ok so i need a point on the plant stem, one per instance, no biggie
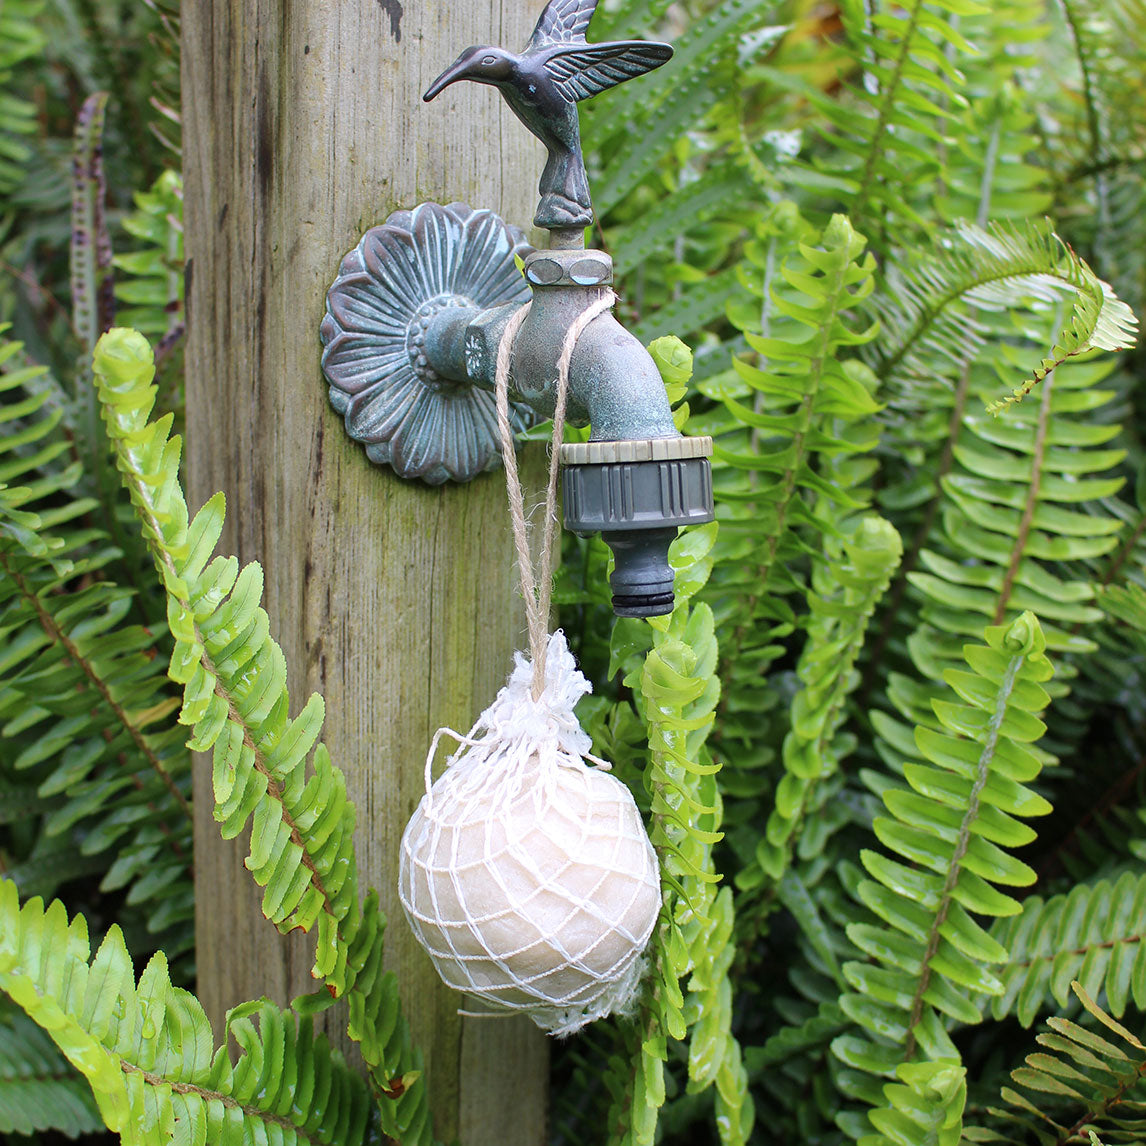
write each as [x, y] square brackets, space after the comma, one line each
[962, 843]
[1032, 500]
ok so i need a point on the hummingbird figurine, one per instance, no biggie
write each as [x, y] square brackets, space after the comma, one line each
[543, 85]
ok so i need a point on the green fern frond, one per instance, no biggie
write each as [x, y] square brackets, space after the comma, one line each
[84, 705]
[153, 293]
[1023, 510]
[20, 39]
[1021, 501]
[677, 691]
[675, 694]
[1095, 934]
[801, 386]
[638, 141]
[1097, 139]
[674, 677]
[889, 126]
[924, 1108]
[673, 213]
[1100, 321]
[165, 44]
[146, 1049]
[843, 596]
[989, 175]
[949, 833]
[84, 697]
[806, 408]
[1127, 604]
[1104, 124]
[39, 1089]
[816, 1031]
[626, 19]
[698, 305]
[236, 703]
[1117, 670]
[715, 190]
[234, 676]
[1022, 505]
[928, 309]
[991, 168]
[1082, 1081]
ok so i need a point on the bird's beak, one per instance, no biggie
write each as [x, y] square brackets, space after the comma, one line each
[455, 71]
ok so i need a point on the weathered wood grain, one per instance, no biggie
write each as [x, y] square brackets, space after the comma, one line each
[303, 126]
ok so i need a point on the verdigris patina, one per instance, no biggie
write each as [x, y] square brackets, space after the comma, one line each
[415, 318]
[543, 85]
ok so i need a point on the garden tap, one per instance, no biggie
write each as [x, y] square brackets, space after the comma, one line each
[419, 309]
[637, 479]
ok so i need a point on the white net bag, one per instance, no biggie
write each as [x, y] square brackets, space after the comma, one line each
[526, 873]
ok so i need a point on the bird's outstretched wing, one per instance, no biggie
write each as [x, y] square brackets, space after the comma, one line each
[586, 69]
[563, 22]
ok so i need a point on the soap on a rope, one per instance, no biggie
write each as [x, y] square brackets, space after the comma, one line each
[526, 873]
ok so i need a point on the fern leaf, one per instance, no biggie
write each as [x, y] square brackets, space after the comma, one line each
[39, 1089]
[145, 1047]
[677, 694]
[165, 43]
[641, 151]
[989, 173]
[233, 674]
[814, 1032]
[1100, 322]
[804, 384]
[236, 704]
[887, 128]
[1083, 1080]
[83, 698]
[153, 292]
[20, 39]
[1094, 934]
[845, 593]
[676, 691]
[948, 836]
[809, 404]
[1020, 500]
[931, 306]
[626, 19]
[674, 102]
[714, 191]
[697, 306]
[924, 1107]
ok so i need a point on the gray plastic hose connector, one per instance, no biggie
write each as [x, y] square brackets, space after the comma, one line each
[637, 494]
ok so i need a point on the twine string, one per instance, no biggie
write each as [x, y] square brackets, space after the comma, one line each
[537, 581]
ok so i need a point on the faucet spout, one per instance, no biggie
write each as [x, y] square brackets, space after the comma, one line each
[637, 479]
[614, 385]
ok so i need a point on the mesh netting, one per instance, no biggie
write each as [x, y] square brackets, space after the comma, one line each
[525, 873]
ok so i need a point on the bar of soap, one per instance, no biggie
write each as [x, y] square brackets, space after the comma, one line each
[532, 884]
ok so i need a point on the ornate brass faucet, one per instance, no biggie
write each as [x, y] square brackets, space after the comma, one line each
[416, 313]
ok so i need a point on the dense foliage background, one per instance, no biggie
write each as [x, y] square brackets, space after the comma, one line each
[892, 742]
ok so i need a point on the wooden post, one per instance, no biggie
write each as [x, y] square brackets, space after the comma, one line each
[303, 126]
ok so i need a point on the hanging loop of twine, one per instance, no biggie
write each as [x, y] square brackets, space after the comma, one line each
[537, 581]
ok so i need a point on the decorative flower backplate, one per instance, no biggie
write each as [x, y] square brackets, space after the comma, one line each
[389, 287]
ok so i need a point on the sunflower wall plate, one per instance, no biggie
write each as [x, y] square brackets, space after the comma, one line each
[402, 273]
